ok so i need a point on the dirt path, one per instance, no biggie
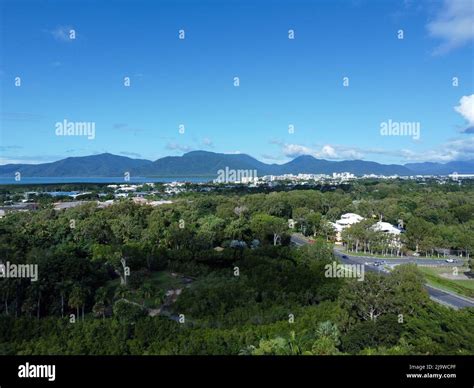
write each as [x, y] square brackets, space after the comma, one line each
[171, 298]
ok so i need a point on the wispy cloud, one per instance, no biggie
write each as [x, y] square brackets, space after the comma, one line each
[21, 116]
[452, 25]
[178, 147]
[272, 158]
[132, 154]
[9, 148]
[120, 126]
[454, 149]
[29, 159]
[126, 127]
[206, 142]
[236, 152]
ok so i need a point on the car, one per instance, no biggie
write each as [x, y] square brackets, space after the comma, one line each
[344, 257]
[449, 260]
[367, 263]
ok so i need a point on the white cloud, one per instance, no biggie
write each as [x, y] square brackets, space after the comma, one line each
[453, 25]
[453, 149]
[294, 150]
[466, 110]
[339, 152]
[327, 151]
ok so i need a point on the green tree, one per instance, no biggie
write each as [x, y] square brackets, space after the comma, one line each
[263, 225]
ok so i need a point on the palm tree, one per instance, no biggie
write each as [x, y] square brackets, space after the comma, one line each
[77, 299]
[99, 309]
[63, 287]
[147, 290]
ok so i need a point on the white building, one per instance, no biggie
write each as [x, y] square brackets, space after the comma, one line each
[391, 230]
[386, 228]
[344, 222]
[455, 176]
[69, 205]
[343, 175]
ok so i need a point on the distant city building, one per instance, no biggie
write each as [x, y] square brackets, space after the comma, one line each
[455, 176]
[18, 207]
[68, 205]
[343, 175]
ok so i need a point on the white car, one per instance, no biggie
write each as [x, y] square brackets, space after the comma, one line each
[449, 260]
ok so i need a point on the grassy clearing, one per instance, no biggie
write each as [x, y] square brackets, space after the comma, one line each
[151, 293]
[164, 280]
[462, 287]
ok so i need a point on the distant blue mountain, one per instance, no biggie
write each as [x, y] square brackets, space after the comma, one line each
[204, 163]
[461, 167]
[103, 165]
[197, 163]
[309, 165]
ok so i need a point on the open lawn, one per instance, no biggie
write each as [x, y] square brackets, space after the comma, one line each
[463, 286]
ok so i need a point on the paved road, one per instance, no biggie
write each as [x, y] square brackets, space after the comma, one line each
[450, 299]
[440, 296]
[404, 260]
[299, 240]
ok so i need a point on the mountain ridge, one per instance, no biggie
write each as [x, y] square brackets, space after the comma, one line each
[206, 163]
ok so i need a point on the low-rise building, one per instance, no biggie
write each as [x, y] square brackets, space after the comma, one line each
[344, 222]
[68, 205]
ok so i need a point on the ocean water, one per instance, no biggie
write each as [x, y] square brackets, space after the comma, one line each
[119, 180]
[62, 193]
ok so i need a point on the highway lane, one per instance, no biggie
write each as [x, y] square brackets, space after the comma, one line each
[405, 260]
[450, 299]
[444, 297]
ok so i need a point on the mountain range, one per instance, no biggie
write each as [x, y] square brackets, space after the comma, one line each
[204, 163]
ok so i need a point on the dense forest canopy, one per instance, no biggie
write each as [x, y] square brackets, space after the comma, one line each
[215, 273]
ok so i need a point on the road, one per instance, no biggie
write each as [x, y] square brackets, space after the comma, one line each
[444, 297]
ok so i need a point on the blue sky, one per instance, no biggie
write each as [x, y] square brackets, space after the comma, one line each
[283, 81]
